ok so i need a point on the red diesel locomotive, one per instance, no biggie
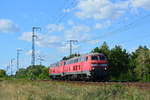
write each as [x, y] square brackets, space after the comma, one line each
[89, 66]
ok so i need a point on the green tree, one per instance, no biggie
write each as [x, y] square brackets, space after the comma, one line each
[33, 72]
[44, 74]
[21, 73]
[133, 62]
[102, 49]
[2, 73]
[142, 69]
[132, 66]
[96, 50]
[119, 64]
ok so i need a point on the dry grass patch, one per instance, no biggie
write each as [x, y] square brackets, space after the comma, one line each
[51, 90]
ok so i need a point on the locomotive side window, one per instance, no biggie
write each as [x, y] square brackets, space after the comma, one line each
[86, 58]
[80, 59]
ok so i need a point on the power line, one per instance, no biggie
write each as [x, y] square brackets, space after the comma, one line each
[135, 39]
[125, 27]
[33, 44]
[62, 16]
[41, 59]
[122, 28]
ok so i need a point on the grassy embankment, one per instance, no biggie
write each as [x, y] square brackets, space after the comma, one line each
[52, 90]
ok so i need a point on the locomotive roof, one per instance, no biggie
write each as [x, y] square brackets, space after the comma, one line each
[89, 54]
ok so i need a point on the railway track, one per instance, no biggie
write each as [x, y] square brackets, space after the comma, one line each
[143, 85]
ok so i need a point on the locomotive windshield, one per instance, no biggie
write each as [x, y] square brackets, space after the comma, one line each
[98, 57]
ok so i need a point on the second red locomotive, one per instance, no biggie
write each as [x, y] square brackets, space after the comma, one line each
[89, 66]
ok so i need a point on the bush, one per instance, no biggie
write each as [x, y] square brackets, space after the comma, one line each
[33, 72]
[2, 73]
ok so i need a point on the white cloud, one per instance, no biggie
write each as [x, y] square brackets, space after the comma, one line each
[101, 9]
[66, 10]
[48, 41]
[29, 53]
[141, 4]
[93, 42]
[70, 22]
[104, 10]
[42, 40]
[65, 48]
[78, 32]
[99, 25]
[102, 25]
[26, 36]
[54, 27]
[7, 26]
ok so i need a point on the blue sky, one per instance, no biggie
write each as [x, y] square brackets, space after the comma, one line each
[91, 22]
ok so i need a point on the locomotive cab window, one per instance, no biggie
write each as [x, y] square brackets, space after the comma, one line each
[102, 57]
[95, 58]
[98, 57]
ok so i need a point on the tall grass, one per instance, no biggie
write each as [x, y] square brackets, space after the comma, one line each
[51, 90]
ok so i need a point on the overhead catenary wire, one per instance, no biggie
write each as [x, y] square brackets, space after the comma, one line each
[135, 39]
[123, 28]
[69, 5]
[41, 59]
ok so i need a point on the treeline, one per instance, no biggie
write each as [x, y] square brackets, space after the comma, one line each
[125, 66]
[2, 73]
[31, 72]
